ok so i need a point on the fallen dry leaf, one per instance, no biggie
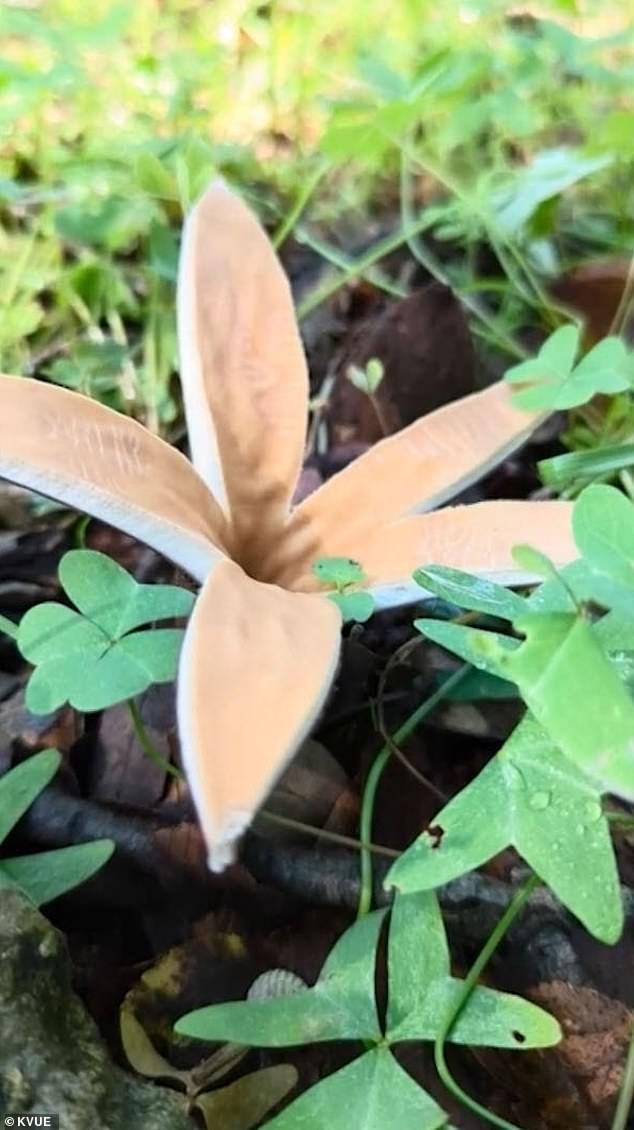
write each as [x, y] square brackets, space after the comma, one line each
[594, 290]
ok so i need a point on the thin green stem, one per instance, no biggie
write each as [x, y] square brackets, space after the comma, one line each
[380, 250]
[307, 190]
[344, 262]
[325, 834]
[81, 528]
[145, 742]
[16, 273]
[427, 260]
[468, 985]
[627, 294]
[379, 413]
[8, 627]
[626, 1094]
[376, 772]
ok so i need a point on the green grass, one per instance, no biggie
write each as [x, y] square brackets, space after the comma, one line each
[113, 117]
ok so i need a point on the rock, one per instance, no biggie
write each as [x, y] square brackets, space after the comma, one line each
[52, 1059]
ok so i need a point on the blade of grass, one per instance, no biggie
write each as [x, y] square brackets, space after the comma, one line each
[429, 261]
[376, 772]
[304, 195]
[626, 1094]
[380, 250]
[562, 470]
[627, 297]
[344, 263]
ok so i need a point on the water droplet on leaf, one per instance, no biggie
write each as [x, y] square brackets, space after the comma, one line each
[539, 800]
[593, 811]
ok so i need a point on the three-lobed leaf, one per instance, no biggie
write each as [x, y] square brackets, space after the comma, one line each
[553, 382]
[562, 670]
[568, 663]
[85, 657]
[107, 595]
[342, 1005]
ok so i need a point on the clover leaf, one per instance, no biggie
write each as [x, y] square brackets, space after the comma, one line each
[108, 596]
[542, 793]
[533, 798]
[341, 573]
[48, 874]
[566, 662]
[357, 606]
[338, 571]
[92, 658]
[376, 1088]
[342, 1006]
[555, 382]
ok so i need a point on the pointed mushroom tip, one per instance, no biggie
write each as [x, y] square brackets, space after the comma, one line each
[222, 848]
[217, 186]
[220, 856]
[216, 194]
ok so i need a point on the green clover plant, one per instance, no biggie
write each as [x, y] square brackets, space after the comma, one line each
[556, 382]
[91, 656]
[49, 874]
[543, 791]
[341, 574]
[532, 798]
[342, 1006]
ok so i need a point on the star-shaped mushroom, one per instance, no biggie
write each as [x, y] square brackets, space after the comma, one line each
[261, 647]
